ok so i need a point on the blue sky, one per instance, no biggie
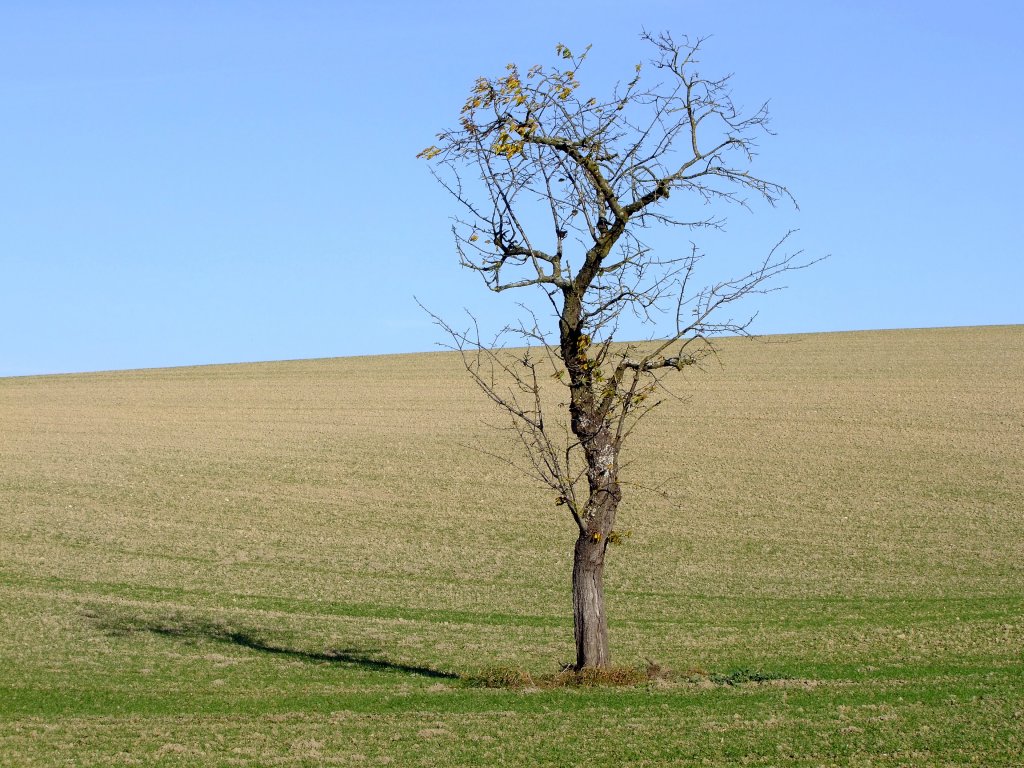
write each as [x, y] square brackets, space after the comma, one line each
[203, 182]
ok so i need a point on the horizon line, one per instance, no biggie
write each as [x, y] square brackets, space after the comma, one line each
[100, 371]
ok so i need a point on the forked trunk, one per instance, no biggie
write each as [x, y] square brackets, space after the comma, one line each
[591, 621]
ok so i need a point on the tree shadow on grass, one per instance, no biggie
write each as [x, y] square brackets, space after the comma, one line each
[197, 628]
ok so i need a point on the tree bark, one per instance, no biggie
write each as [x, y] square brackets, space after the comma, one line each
[590, 619]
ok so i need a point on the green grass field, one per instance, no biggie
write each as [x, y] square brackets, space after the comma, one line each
[311, 563]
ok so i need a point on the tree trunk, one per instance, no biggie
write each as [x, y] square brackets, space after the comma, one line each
[591, 621]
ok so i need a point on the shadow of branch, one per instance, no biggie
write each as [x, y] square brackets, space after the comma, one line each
[189, 627]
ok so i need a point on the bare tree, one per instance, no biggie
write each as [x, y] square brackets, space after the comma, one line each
[556, 189]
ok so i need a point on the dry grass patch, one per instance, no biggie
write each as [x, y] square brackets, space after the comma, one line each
[615, 676]
[515, 678]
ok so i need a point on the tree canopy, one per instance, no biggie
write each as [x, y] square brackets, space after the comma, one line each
[556, 190]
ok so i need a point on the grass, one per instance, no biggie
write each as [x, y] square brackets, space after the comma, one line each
[309, 563]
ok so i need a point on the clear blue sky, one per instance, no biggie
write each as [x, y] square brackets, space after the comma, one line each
[198, 182]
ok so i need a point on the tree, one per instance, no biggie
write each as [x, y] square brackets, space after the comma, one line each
[556, 188]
